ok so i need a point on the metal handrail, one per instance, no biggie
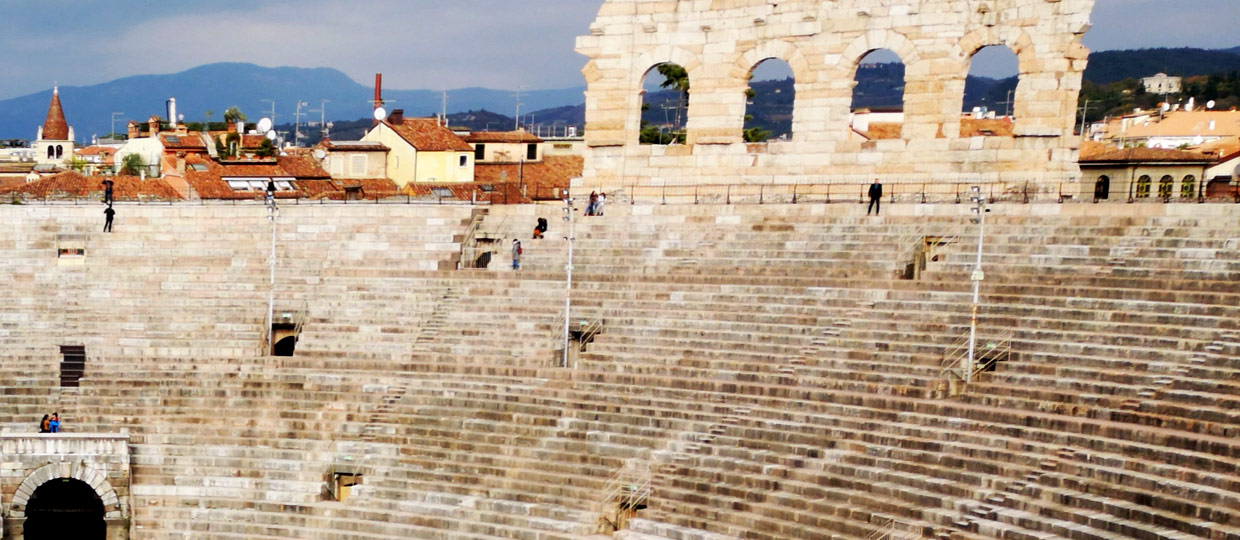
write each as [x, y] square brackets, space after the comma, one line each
[957, 353]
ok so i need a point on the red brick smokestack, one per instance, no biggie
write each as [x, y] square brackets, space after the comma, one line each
[378, 94]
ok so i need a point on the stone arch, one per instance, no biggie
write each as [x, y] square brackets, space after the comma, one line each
[875, 40]
[1016, 40]
[78, 471]
[774, 50]
[666, 54]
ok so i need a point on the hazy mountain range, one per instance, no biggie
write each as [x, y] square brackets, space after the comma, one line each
[215, 87]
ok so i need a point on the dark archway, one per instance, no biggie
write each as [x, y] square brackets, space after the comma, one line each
[285, 347]
[1102, 188]
[65, 508]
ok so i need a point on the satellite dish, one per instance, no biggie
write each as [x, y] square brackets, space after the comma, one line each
[264, 125]
[1166, 107]
[380, 114]
[271, 135]
[319, 153]
[1210, 104]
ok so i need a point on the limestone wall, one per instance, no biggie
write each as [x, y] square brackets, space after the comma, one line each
[719, 42]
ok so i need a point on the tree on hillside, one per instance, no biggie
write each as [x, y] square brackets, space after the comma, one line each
[233, 115]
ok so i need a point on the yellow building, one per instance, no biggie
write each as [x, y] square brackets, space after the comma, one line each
[422, 151]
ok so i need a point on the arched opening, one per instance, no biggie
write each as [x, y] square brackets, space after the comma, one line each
[1102, 188]
[51, 152]
[1166, 185]
[664, 104]
[769, 102]
[990, 93]
[878, 96]
[285, 347]
[65, 508]
[1143, 187]
[60, 151]
[1188, 188]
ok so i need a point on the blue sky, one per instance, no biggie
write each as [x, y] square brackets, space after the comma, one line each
[435, 44]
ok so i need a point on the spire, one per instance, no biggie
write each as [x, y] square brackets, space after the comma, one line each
[55, 128]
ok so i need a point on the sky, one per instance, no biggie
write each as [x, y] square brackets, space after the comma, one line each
[431, 44]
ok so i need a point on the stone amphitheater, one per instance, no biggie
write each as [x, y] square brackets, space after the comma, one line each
[737, 368]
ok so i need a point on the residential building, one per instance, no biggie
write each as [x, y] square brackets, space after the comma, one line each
[1162, 84]
[521, 159]
[1138, 173]
[421, 150]
[353, 159]
[1172, 129]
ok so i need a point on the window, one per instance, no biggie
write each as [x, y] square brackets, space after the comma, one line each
[60, 151]
[1188, 189]
[1102, 188]
[1166, 185]
[357, 165]
[464, 160]
[173, 139]
[1143, 187]
[442, 193]
[51, 152]
[486, 188]
[531, 152]
[199, 167]
[480, 152]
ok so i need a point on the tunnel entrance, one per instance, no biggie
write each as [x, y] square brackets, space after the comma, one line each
[65, 508]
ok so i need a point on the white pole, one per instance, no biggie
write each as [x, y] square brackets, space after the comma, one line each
[271, 296]
[977, 285]
[568, 281]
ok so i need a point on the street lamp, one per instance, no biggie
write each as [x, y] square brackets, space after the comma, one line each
[568, 287]
[979, 208]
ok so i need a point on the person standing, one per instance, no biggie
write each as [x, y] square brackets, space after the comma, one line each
[598, 207]
[876, 198]
[54, 423]
[592, 204]
[516, 254]
[108, 215]
[107, 191]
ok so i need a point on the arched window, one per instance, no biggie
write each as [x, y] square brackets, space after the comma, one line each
[51, 152]
[878, 96]
[1143, 187]
[665, 104]
[990, 93]
[1188, 188]
[1102, 188]
[1166, 185]
[769, 101]
[60, 151]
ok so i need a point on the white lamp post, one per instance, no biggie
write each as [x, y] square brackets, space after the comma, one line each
[979, 208]
[568, 281]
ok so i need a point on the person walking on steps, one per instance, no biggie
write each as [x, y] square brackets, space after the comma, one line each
[54, 423]
[108, 215]
[876, 198]
[516, 254]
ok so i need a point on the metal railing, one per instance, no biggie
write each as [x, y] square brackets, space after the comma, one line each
[993, 346]
[626, 492]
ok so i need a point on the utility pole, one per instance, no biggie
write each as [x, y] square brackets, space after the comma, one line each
[979, 208]
[325, 129]
[273, 215]
[297, 123]
[273, 111]
[517, 119]
[113, 134]
[444, 114]
[1084, 112]
[1008, 103]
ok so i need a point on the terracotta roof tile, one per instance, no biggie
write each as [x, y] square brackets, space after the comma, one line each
[541, 178]
[521, 136]
[426, 135]
[1094, 152]
[73, 184]
[55, 128]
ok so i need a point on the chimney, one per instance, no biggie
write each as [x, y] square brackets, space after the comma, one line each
[378, 94]
[172, 112]
[181, 162]
[132, 128]
[397, 116]
[153, 123]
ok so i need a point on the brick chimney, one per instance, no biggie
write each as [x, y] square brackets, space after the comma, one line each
[397, 116]
[132, 128]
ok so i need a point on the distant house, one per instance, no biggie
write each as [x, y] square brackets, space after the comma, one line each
[1173, 129]
[1138, 173]
[1162, 84]
[353, 159]
[518, 158]
[421, 151]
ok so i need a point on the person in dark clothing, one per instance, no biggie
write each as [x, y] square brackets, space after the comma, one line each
[593, 204]
[108, 215]
[876, 198]
[107, 191]
[43, 424]
[540, 228]
[271, 191]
